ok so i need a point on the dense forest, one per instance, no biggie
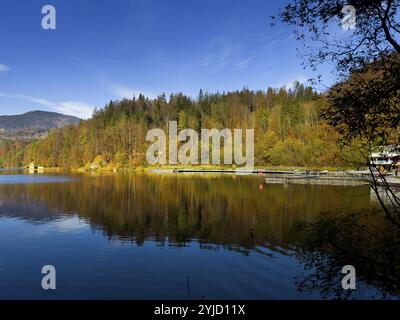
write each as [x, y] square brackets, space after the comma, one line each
[289, 130]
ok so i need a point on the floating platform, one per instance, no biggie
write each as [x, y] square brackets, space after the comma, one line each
[247, 171]
[339, 178]
[329, 180]
[316, 180]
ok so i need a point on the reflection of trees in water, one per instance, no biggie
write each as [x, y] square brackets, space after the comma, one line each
[369, 242]
[225, 210]
[336, 240]
[233, 213]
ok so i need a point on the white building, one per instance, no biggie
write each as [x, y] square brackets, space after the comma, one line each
[386, 156]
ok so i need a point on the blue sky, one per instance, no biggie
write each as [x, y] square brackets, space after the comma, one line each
[107, 50]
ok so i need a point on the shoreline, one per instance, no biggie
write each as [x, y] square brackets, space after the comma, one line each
[270, 175]
[184, 169]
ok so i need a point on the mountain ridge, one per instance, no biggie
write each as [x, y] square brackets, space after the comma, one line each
[33, 124]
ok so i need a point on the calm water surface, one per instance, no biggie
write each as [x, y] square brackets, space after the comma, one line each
[163, 236]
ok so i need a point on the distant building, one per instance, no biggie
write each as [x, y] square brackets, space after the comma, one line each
[386, 156]
[33, 168]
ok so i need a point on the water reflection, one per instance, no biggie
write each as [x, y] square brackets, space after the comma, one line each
[221, 210]
[362, 240]
[211, 212]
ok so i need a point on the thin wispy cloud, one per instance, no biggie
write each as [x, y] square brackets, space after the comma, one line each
[222, 53]
[225, 57]
[40, 101]
[4, 68]
[243, 63]
[77, 109]
[291, 83]
[122, 92]
[207, 59]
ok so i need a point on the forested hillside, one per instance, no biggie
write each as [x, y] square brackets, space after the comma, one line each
[288, 130]
[39, 120]
[33, 124]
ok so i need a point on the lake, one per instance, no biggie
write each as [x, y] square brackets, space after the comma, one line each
[138, 236]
